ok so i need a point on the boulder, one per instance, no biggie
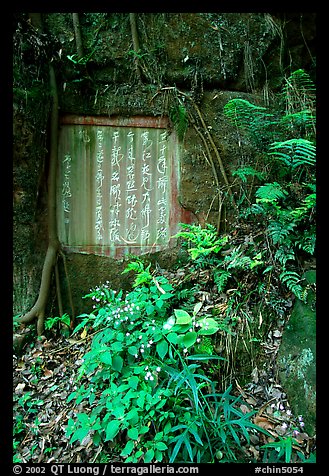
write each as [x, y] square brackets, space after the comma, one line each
[297, 358]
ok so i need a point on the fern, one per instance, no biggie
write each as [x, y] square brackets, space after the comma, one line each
[299, 120]
[221, 276]
[284, 254]
[294, 152]
[307, 242]
[244, 114]
[178, 115]
[292, 279]
[299, 89]
[244, 172]
[236, 259]
[278, 231]
[299, 213]
[271, 192]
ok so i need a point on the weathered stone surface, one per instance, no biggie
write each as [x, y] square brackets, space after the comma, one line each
[297, 358]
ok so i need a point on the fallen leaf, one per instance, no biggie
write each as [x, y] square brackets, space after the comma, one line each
[277, 333]
[47, 374]
[263, 422]
[19, 388]
[244, 409]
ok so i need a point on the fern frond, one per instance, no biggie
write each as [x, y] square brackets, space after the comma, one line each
[299, 87]
[244, 172]
[271, 192]
[294, 152]
[284, 254]
[299, 119]
[243, 113]
[179, 117]
[292, 279]
[307, 242]
[279, 231]
[221, 276]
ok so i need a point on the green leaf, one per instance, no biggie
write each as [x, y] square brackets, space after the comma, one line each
[119, 411]
[128, 448]
[161, 446]
[162, 348]
[106, 358]
[132, 416]
[117, 363]
[189, 338]
[182, 317]
[79, 434]
[205, 357]
[133, 433]
[133, 382]
[149, 455]
[209, 326]
[132, 350]
[112, 430]
[172, 337]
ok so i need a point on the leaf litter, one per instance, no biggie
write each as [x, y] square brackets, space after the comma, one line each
[47, 372]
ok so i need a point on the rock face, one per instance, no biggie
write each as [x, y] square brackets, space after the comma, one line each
[211, 57]
[297, 358]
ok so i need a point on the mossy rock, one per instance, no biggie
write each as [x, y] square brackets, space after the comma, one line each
[297, 358]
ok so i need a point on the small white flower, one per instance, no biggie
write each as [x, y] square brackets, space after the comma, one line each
[185, 350]
[146, 367]
[151, 377]
[140, 337]
[142, 350]
[150, 341]
[136, 356]
[158, 369]
[127, 333]
[198, 339]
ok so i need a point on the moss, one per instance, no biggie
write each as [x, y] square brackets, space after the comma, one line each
[297, 359]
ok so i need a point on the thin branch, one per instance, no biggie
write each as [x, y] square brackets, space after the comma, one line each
[134, 34]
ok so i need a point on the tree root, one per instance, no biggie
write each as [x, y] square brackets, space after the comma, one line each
[39, 308]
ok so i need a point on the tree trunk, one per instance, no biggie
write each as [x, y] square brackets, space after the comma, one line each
[39, 308]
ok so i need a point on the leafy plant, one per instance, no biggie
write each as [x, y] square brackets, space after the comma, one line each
[53, 322]
[142, 378]
[205, 240]
[179, 117]
[282, 448]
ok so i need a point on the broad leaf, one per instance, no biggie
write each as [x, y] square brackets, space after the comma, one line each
[182, 317]
[162, 348]
[112, 430]
[189, 339]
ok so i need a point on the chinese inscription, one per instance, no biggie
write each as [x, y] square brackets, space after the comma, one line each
[117, 190]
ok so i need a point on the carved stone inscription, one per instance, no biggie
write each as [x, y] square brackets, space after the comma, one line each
[114, 188]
